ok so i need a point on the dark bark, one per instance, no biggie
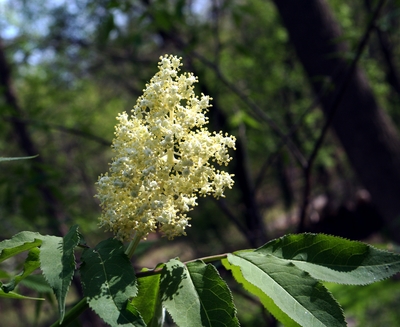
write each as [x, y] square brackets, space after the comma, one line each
[365, 131]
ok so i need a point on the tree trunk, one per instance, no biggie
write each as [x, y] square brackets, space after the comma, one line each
[367, 134]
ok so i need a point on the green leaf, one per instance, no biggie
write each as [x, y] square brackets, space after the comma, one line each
[334, 259]
[58, 264]
[196, 295]
[295, 292]
[214, 294]
[109, 282]
[19, 243]
[148, 301]
[31, 264]
[179, 296]
[16, 158]
[264, 299]
[13, 295]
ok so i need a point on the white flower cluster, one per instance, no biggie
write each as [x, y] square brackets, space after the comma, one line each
[163, 158]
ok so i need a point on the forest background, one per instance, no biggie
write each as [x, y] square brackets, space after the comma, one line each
[310, 90]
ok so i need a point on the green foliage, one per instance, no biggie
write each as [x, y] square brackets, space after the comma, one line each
[215, 296]
[334, 259]
[148, 301]
[31, 264]
[19, 243]
[109, 282]
[54, 255]
[84, 66]
[285, 274]
[295, 292]
[58, 264]
[195, 295]
[373, 305]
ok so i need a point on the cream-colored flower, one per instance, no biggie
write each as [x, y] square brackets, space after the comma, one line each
[163, 155]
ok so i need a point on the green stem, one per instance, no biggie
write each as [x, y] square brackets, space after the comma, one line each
[208, 259]
[72, 314]
[133, 245]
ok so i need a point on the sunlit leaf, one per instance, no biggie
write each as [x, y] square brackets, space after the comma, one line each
[148, 301]
[19, 243]
[264, 299]
[334, 259]
[295, 292]
[109, 282]
[58, 264]
[196, 295]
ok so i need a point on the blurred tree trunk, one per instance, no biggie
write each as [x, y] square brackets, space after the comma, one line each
[55, 215]
[367, 134]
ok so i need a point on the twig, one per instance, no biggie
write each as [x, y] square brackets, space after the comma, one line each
[207, 259]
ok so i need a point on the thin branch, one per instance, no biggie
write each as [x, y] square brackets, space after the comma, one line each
[282, 142]
[207, 259]
[293, 129]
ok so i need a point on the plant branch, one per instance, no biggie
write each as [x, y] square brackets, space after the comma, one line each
[133, 245]
[207, 259]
